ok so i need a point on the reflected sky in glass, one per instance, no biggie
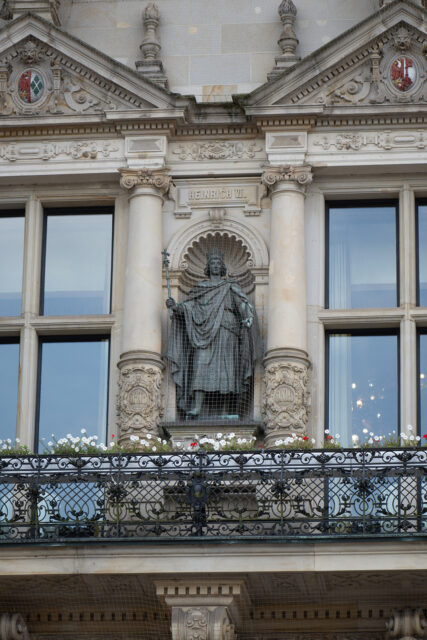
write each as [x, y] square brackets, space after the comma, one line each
[11, 264]
[73, 388]
[423, 385]
[362, 257]
[422, 254]
[77, 278]
[9, 368]
[363, 386]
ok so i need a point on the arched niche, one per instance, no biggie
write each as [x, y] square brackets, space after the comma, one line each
[244, 251]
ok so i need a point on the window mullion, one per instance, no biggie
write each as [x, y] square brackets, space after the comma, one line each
[407, 248]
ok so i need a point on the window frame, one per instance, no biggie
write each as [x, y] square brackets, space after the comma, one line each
[352, 204]
[68, 338]
[62, 211]
[371, 333]
[13, 340]
[419, 202]
[17, 213]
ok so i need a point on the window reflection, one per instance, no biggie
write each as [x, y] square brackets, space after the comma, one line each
[9, 367]
[363, 386]
[11, 263]
[73, 388]
[362, 257]
[423, 384]
[77, 274]
[422, 255]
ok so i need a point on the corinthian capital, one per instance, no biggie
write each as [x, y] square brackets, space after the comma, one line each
[301, 176]
[155, 178]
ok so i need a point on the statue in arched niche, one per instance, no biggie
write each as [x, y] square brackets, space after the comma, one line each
[213, 345]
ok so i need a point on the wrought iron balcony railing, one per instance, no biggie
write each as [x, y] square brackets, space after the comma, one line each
[288, 495]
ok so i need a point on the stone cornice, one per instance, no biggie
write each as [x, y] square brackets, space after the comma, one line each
[299, 176]
[157, 179]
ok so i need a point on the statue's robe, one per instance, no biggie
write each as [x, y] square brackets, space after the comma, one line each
[209, 348]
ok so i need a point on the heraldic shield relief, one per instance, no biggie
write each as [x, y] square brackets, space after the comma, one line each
[403, 73]
[30, 86]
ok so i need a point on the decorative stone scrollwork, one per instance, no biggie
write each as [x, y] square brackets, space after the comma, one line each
[156, 178]
[272, 176]
[202, 623]
[13, 627]
[287, 399]
[139, 400]
[402, 39]
[407, 624]
[31, 52]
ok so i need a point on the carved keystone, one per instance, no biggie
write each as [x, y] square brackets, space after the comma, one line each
[204, 610]
[407, 624]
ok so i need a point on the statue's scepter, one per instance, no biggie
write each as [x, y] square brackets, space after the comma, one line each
[166, 263]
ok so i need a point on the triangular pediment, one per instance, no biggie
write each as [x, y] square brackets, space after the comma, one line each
[380, 61]
[46, 72]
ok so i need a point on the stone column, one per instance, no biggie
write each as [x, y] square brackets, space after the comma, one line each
[407, 624]
[139, 404]
[203, 610]
[286, 363]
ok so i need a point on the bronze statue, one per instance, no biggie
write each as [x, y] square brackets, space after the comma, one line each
[213, 345]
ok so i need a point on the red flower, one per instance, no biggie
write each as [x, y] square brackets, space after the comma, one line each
[425, 436]
[306, 438]
[329, 438]
[194, 444]
[112, 435]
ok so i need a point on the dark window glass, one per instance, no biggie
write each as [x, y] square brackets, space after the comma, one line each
[422, 255]
[77, 271]
[73, 388]
[363, 393]
[11, 262]
[423, 385]
[362, 262]
[9, 368]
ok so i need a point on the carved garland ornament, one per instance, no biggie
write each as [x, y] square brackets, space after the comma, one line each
[217, 150]
[274, 175]
[139, 401]
[157, 179]
[287, 398]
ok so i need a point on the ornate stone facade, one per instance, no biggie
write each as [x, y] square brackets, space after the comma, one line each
[287, 399]
[157, 179]
[139, 400]
[13, 627]
[201, 623]
[299, 175]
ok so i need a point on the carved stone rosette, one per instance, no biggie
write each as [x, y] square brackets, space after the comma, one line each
[139, 400]
[157, 179]
[287, 398]
[300, 176]
[407, 624]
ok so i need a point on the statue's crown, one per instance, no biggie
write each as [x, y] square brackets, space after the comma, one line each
[214, 253]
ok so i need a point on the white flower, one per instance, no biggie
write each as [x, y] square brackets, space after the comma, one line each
[411, 437]
[9, 441]
[82, 430]
[365, 430]
[371, 434]
[404, 436]
[153, 448]
[417, 438]
[410, 427]
[149, 436]
[337, 436]
[313, 440]
[179, 444]
[231, 435]
[133, 438]
[164, 442]
[355, 438]
[370, 441]
[327, 431]
[223, 443]
[218, 435]
[17, 440]
[50, 443]
[111, 444]
[244, 441]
